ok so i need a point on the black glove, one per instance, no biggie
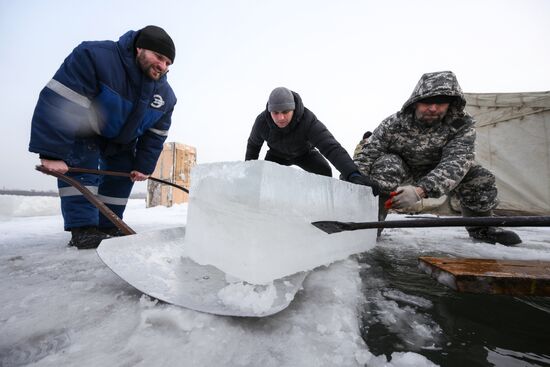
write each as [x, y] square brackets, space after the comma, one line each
[360, 179]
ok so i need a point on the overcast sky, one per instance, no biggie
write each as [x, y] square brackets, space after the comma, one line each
[354, 62]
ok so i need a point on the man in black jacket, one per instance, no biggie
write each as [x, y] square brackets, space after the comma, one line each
[295, 137]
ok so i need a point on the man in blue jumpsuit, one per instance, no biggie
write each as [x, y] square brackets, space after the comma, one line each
[109, 106]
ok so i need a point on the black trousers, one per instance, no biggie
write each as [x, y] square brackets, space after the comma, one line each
[313, 162]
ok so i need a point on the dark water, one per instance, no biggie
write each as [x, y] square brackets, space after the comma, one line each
[406, 310]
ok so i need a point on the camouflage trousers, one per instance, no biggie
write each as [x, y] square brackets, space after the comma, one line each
[477, 190]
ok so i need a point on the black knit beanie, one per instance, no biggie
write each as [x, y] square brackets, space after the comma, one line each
[156, 39]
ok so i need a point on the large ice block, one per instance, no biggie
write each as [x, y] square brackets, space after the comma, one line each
[253, 219]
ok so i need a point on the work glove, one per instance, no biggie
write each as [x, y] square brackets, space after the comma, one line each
[426, 205]
[405, 197]
[360, 179]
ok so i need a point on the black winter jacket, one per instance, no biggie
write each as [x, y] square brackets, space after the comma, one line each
[303, 134]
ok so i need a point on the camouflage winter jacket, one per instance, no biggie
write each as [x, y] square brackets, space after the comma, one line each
[440, 155]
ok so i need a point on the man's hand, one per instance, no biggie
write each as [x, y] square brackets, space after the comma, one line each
[426, 205]
[360, 179]
[138, 176]
[406, 197]
[55, 165]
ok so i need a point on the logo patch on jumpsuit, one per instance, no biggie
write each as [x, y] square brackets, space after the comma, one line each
[158, 102]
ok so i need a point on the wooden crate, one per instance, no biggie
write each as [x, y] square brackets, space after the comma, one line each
[489, 276]
[174, 165]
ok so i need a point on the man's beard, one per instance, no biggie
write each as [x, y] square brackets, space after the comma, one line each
[429, 118]
[148, 68]
[152, 73]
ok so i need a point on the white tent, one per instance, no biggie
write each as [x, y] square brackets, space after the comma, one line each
[513, 141]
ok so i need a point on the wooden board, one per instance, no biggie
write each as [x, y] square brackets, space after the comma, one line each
[174, 165]
[490, 276]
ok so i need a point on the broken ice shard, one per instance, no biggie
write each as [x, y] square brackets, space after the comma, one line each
[252, 219]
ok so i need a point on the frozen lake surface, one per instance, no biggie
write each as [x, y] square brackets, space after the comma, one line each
[64, 307]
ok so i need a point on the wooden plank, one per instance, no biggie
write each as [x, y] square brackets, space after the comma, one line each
[174, 165]
[490, 276]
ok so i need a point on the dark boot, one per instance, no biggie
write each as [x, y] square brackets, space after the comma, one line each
[112, 231]
[86, 237]
[494, 235]
[490, 235]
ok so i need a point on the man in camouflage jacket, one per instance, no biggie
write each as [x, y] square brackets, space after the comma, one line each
[427, 150]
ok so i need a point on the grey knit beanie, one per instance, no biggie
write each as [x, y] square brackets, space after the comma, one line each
[281, 99]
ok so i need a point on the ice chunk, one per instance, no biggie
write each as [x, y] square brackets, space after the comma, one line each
[257, 298]
[252, 219]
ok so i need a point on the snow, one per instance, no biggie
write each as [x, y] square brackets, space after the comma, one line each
[248, 296]
[28, 206]
[64, 307]
[240, 208]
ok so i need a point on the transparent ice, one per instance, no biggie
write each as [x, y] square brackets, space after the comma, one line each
[253, 219]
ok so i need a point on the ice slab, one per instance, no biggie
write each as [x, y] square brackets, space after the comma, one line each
[154, 263]
[252, 219]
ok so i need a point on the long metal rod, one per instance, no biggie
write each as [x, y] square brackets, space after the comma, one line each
[122, 174]
[91, 198]
[516, 221]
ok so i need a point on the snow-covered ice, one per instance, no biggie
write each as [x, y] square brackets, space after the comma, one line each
[64, 307]
[252, 219]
